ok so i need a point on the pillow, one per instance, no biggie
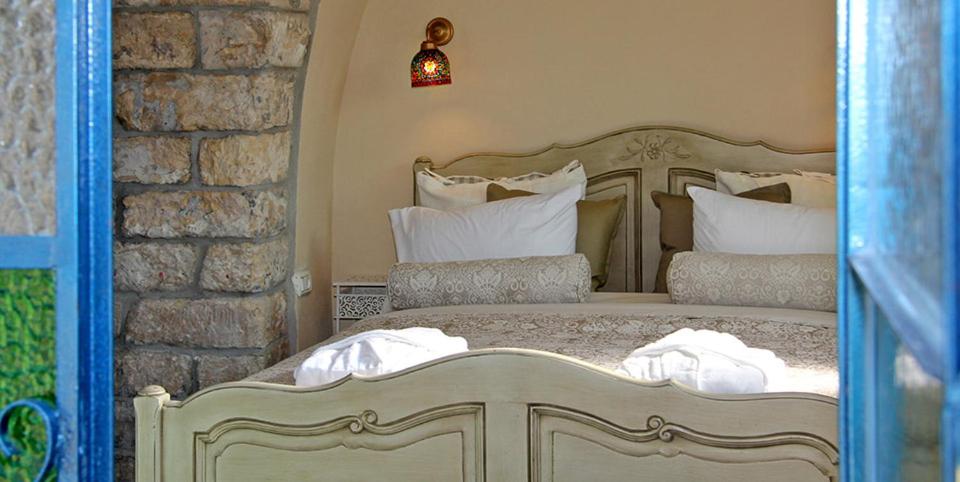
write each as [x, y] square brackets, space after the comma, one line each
[439, 192]
[728, 224]
[597, 223]
[541, 225]
[799, 281]
[542, 279]
[813, 189]
[676, 222]
[550, 279]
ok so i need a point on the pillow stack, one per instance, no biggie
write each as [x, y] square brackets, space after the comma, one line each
[474, 219]
[676, 222]
[752, 245]
[597, 223]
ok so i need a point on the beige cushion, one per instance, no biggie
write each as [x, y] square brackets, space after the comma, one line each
[445, 193]
[799, 281]
[597, 223]
[676, 222]
[811, 189]
[543, 279]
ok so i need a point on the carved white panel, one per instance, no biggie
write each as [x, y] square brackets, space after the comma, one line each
[450, 437]
[570, 445]
[358, 307]
[654, 147]
[356, 300]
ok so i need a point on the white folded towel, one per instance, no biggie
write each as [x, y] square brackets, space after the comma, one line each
[708, 361]
[376, 352]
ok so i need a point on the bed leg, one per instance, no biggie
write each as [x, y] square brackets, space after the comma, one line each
[147, 406]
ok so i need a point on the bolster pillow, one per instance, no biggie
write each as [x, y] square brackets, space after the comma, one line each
[799, 281]
[537, 279]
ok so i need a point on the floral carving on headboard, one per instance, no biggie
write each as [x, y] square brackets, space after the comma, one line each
[654, 147]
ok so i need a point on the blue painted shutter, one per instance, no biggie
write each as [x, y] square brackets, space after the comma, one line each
[898, 213]
[65, 272]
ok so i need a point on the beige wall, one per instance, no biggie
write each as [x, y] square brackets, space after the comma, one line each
[528, 73]
[336, 29]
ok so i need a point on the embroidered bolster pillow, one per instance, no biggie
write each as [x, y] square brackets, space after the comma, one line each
[800, 281]
[539, 279]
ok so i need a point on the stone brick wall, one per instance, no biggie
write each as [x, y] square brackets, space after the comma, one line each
[206, 96]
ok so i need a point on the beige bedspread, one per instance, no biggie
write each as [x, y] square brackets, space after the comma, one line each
[606, 330]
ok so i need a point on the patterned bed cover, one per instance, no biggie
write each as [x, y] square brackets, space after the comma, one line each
[605, 330]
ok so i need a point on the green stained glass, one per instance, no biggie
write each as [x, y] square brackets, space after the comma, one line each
[27, 363]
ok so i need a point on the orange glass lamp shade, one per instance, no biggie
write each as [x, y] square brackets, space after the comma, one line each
[431, 66]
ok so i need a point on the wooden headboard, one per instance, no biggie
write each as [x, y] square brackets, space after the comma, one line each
[634, 162]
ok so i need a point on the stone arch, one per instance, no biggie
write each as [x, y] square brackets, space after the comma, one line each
[207, 97]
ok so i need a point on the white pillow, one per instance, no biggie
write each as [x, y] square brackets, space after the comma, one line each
[439, 192]
[728, 224]
[814, 189]
[540, 225]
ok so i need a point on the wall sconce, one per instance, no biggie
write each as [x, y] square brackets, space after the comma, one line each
[430, 66]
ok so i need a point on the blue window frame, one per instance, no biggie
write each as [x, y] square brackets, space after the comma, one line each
[898, 223]
[898, 206]
[80, 251]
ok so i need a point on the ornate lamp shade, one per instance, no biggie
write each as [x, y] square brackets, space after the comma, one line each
[429, 67]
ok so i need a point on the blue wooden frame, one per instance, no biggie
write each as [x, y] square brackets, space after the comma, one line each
[850, 374]
[950, 432]
[869, 292]
[81, 250]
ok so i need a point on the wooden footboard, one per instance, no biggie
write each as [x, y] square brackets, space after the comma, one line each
[492, 415]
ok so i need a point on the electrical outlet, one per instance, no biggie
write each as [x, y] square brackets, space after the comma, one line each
[302, 282]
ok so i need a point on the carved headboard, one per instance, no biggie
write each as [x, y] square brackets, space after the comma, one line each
[634, 162]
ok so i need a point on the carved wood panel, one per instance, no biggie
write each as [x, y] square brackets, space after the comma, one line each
[564, 441]
[450, 438]
[627, 243]
[680, 178]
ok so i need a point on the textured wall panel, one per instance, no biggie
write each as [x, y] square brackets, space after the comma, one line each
[27, 361]
[27, 55]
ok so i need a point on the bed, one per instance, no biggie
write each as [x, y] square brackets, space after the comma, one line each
[535, 398]
[604, 330]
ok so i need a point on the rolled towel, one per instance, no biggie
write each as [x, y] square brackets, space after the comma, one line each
[376, 352]
[708, 361]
